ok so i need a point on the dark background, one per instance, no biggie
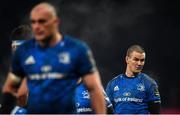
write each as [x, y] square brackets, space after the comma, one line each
[110, 27]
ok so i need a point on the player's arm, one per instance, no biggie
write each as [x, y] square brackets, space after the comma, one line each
[154, 104]
[93, 84]
[22, 94]
[109, 92]
[91, 78]
[9, 93]
[109, 106]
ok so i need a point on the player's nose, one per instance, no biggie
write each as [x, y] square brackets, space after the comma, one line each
[140, 63]
[36, 26]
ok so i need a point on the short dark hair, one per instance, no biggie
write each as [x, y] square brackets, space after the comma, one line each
[21, 32]
[136, 48]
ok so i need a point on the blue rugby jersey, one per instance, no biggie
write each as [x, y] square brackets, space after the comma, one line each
[83, 102]
[52, 73]
[131, 95]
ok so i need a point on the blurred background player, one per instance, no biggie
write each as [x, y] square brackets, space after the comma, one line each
[18, 36]
[134, 92]
[22, 93]
[52, 63]
[83, 102]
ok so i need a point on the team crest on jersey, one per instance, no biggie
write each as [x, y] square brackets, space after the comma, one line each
[30, 60]
[116, 88]
[140, 87]
[64, 58]
[85, 94]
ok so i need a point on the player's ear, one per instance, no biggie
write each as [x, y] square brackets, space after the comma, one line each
[127, 58]
[57, 20]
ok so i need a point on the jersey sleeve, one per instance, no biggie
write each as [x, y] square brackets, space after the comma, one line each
[16, 66]
[108, 102]
[153, 93]
[109, 92]
[86, 60]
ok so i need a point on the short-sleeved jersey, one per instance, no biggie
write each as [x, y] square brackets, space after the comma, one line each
[83, 102]
[131, 95]
[52, 73]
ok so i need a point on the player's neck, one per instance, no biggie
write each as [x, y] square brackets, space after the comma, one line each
[52, 40]
[129, 73]
[56, 38]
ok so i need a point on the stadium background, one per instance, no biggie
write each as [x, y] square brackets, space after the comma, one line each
[110, 27]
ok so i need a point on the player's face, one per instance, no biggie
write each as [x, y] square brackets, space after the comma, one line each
[43, 24]
[135, 62]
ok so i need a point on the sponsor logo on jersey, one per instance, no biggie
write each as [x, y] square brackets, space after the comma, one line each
[128, 99]
[116, 88]
[140, 87]
[64, 58]
[83, 109]
[52, 75]
[30, 60]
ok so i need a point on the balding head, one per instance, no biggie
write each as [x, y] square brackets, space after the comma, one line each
[44, 21]
[45, 7]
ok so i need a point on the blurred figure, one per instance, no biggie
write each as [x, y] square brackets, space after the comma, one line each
[18, 36]
[83, 102]
[134, 92]
[52, 64]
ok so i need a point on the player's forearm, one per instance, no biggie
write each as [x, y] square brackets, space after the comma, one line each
[98, 103]
[12, 84]
[22, 101]
[9, 94]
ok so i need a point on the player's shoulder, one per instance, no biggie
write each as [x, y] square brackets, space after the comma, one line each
[147, 78]
[24, 47]
[116, 79]
[75, 42]
[27, 43]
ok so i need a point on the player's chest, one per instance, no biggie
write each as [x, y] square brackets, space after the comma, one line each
[49, 61]
[125, 89]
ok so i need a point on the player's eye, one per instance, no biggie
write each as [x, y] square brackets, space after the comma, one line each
[32, 21]
[142, 60]
[136, 59]
[40, 21]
